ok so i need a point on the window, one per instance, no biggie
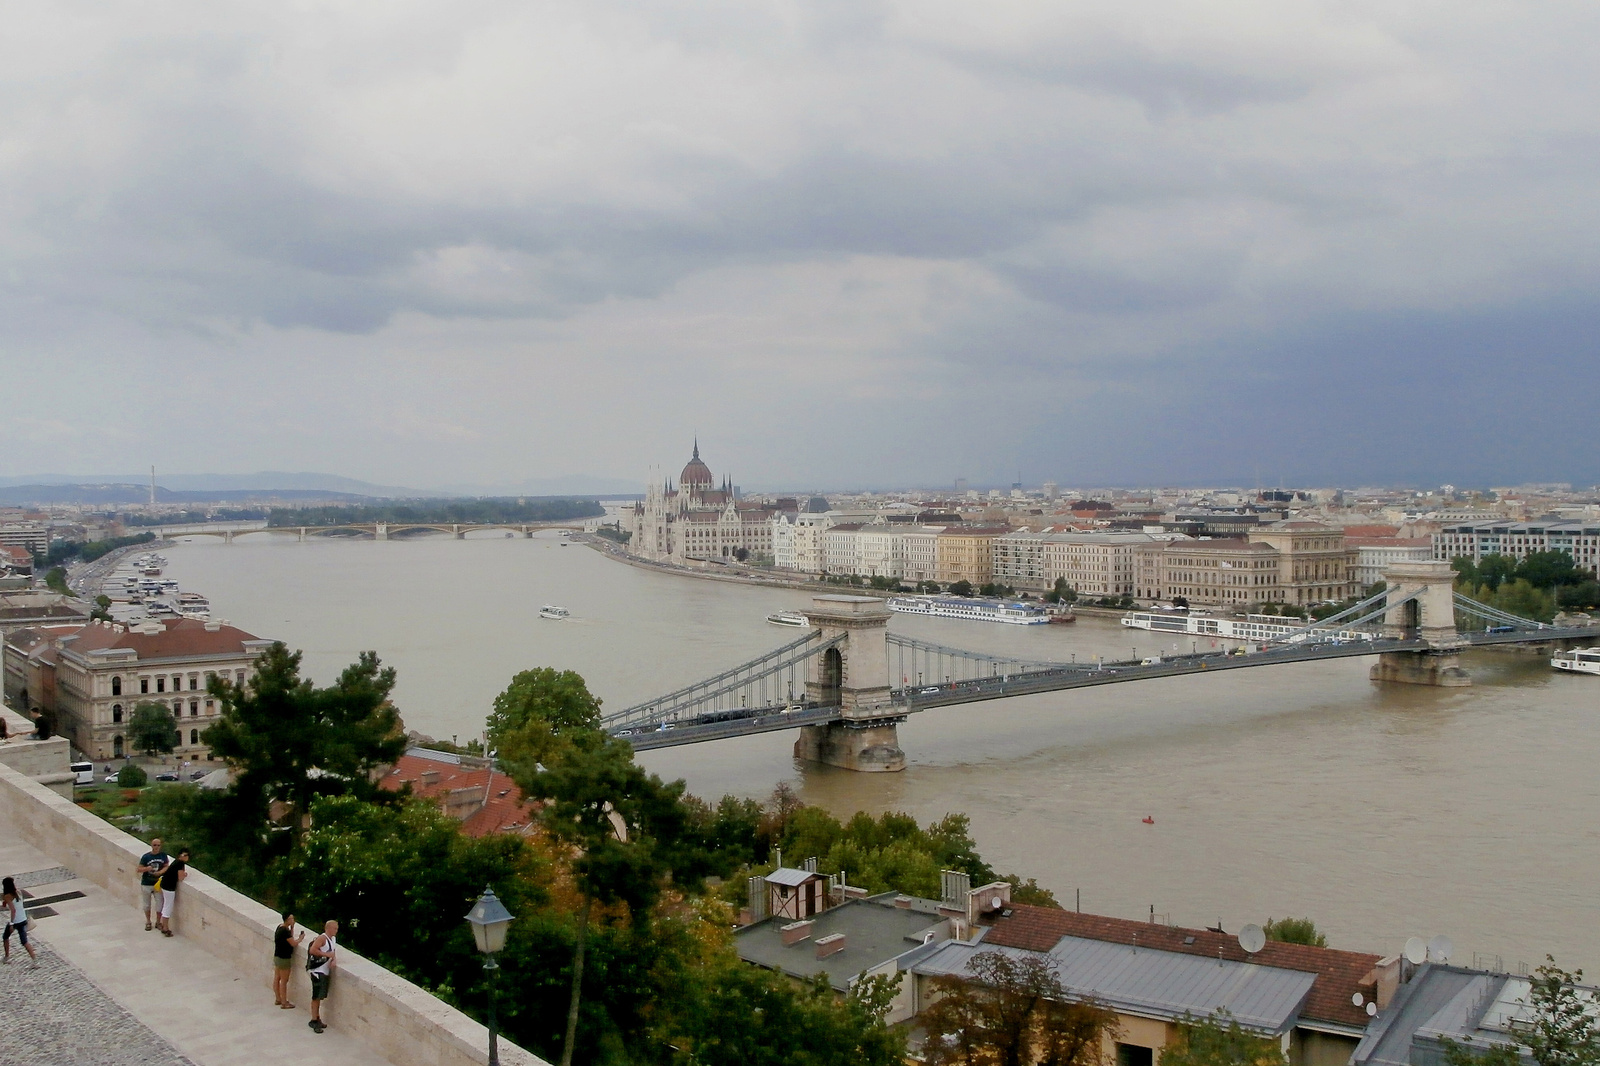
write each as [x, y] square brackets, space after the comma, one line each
[144, 684]
[161, 684]
[194, 708]
[116, 712]
[116, 746]
[194, 736]
[194, 682]
[238, 677]
[116, 686]
[1134, 1055]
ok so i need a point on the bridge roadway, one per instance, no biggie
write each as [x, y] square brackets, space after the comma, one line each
[1077, 675]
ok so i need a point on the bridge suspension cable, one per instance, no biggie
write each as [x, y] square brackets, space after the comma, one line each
[750, 686]
[1494, 615]
[920, 661]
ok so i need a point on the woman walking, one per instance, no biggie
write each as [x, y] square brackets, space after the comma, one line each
[171, 878]
[16, 915]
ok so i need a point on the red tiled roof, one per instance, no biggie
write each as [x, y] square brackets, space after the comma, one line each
[501, 810]
[1340, 974]
[179, 638]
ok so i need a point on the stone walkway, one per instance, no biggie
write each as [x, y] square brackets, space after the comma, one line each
[107, 993]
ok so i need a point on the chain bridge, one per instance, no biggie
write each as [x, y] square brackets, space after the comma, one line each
[370, 530]
[837, 683]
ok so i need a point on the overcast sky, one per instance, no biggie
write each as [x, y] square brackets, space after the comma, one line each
[845, 242]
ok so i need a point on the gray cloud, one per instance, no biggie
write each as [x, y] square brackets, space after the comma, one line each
[671, 216]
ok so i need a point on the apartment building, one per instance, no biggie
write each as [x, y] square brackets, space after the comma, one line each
[1093, 563]
[966, 553]
[880, 551]
[1314, 563]
[1374, 555]
[1474, 540]
[919, 553]
[841, 549]
[91, 677]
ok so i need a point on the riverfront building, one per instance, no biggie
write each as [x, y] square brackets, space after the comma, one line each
[1374, 555]
[1286, 562]
[91, 677]
[1474, 540]
[1094, 564]
[697, 520]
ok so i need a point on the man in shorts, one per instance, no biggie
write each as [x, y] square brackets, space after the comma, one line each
[151, 863]
[320, 963]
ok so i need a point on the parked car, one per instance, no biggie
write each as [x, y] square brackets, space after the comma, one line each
[169, 776]
[198, 774]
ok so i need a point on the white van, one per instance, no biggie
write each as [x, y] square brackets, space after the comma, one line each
[84, 772]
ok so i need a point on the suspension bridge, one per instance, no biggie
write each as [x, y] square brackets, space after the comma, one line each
[847, 683]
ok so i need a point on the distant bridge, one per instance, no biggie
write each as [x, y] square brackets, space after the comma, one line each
[834, 684]
[370, 530]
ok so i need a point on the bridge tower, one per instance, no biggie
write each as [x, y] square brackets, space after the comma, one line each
[1430, 617]
[853, 676]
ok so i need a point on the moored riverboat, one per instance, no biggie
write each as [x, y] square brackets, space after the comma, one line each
[793, 619]
[1577, 661]
[1017, 614]
[553, 612]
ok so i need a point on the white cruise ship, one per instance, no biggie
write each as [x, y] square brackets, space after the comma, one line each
[1017, 614]
[1255, 627]
[1578, 661]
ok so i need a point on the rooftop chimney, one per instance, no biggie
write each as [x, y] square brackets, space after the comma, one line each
[795, 932]
[830, 945]
[429, 778]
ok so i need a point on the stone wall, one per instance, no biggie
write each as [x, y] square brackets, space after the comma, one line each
[400, 1021]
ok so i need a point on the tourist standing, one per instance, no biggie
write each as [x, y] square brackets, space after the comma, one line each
[151, 863]
[321, 963]
[171, 878]
[283, 944]
[16, 915]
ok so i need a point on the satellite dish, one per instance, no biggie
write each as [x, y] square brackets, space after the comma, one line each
[995, 903]
[1416, 951]
[1440, 948]
[1372, 1010]
[1358, 999]
[1252, 939]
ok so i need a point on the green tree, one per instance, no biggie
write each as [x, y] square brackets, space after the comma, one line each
[1294, 931]
[1030, 893]
[551, 701]
[1548, 569]
[1495, 570]
[56, 581]
[1012, 1012]
[1220, 1041]
[132, 775]
[961, 588]
[627, 828]
[1584, 596]
[102, 608]
[290, 742]
[152, 728]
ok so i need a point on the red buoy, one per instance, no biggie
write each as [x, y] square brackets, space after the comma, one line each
[1149, 820]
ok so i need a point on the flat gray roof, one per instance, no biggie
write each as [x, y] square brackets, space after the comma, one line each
[875, 931]
[1163, 984]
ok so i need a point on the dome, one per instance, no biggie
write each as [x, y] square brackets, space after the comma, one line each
[696, 474]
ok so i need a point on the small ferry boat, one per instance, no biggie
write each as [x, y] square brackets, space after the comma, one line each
[550, 610]
[789, 618]
[1017, 614]
[1061, 618]
[1578, 661]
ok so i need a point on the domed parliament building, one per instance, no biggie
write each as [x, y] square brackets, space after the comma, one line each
[699, 520]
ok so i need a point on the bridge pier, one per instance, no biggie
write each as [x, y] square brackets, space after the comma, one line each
[380, 531]
[1430, 616]
[302, 535]
[868, 747]
[1441, 669]
[854, 676]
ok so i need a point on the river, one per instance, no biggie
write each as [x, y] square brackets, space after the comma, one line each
[1380, 811]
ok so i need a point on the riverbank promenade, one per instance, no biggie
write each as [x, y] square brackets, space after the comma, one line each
[107, 993]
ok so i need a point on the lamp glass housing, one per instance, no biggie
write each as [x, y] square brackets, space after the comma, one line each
[489, 919]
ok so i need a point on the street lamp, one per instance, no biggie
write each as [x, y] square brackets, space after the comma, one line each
[489, 918]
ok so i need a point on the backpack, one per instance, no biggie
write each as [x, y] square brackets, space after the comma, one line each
[316, 961]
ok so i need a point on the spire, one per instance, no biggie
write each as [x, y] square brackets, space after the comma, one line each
[697, 445]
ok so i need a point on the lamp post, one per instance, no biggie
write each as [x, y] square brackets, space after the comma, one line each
[489, 918]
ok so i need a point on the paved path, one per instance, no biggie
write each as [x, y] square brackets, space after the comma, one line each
[107, 993]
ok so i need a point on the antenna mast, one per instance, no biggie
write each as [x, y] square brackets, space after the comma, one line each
[152, 485]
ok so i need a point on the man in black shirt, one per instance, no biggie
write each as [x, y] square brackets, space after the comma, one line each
[151, 863]
[283, 944]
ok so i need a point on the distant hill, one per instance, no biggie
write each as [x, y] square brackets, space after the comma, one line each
[274, 484]
[274, 481]
[121, 495]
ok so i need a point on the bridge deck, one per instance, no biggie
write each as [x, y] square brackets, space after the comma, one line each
[1081, 675]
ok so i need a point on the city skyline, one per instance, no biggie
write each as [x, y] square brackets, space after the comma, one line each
[861, 244]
